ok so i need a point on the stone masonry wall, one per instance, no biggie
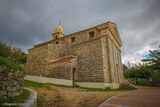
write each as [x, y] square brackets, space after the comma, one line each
[56, 51]
[36, 61]
[114, 60]
[59, 70]
[92, 64]
[89, 62]
[11, 82]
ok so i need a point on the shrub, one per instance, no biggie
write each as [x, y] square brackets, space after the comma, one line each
[10, 64]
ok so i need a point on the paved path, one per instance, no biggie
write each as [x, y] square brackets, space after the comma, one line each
[143, 97]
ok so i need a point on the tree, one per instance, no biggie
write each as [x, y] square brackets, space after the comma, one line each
[154, 59]
[145, 72]
[140, 72]
[132, 73]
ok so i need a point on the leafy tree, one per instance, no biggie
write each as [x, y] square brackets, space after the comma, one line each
[140, 72]
[154, 61]
[132, 73]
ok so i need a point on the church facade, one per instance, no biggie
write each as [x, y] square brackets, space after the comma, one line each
[88, 58]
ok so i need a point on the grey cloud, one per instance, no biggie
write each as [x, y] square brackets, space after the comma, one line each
[29, 22]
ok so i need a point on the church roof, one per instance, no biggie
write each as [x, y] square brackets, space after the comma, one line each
[63, 59]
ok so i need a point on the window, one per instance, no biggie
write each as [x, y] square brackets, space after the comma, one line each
[73, 39]
[57, 42]
[55, 36]
[91, 34]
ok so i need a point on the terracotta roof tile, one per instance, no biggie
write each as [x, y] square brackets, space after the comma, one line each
[63, 59]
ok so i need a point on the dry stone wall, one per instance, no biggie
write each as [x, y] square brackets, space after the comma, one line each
[11, 82]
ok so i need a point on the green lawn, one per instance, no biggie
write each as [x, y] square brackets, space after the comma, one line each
[107, 89]
[36, 85]
[95, 89]
[13, 102]
[46, 86]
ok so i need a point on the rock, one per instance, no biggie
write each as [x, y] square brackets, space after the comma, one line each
[2, 93]
[15, 83]
[9, 88]
[4, 97]
[1, 68]
[16, 93]
[9, 74]
[11, 70]
[13, 89]
[3, 87]
[5, 83]
[9, 94]
[19, 88]
[16, 73]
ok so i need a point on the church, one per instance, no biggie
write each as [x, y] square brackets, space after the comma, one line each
[88, 58]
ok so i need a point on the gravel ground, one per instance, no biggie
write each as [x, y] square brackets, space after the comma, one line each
[70, 97]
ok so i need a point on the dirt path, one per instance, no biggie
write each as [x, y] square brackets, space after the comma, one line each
[143, 97]
[70, 97]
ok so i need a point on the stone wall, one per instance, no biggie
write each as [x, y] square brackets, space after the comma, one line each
[98, 57]
[56, 51]
[115, 71]
[59, 70]
[37, 60]
[11, 82]
[89, 62]
[82, 37]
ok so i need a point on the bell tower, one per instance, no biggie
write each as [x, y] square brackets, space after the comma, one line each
[58, 32]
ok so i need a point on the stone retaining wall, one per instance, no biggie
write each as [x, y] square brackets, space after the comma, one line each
[11, 82]
[32, 100]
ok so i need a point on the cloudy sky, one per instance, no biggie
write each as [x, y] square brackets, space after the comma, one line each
[29, 22]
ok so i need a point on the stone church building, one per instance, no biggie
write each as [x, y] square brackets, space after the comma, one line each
[88, 58]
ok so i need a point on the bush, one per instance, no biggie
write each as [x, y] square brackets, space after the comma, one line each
[10, 64]
[4, 50]
[12, 52]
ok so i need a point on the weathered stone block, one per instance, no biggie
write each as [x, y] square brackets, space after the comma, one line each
[9, 94]
[9, 88]
[2, 93]
[16, 93]
[9, 74]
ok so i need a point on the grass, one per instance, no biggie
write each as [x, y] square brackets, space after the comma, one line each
[107, 89]
[13, 102]
[46, 86]
[11, 64]
[65, 86]
[95, 89]
[36, 85]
